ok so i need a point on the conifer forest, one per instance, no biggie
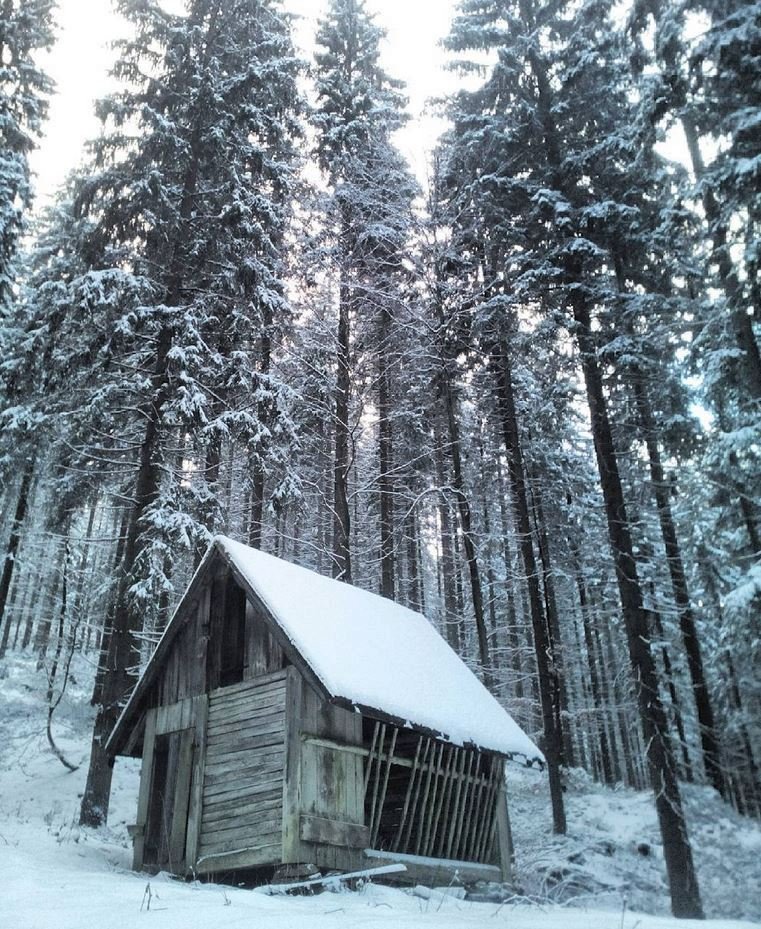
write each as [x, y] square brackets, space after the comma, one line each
[520, 393]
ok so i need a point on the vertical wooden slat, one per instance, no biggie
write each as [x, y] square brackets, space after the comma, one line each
[376, 785]
[472, 814]
[413, 816]
[440, 831]
[454, 806]
[144, 796]
[489, 813]
[470, 810]
[292, 800]
[178, 832]
[462, 801]
[432, 818]
[368, 769]
[424, 803]
[195, 809]
[408, 794]
[382, 799]
[482, 784]
[484, 803]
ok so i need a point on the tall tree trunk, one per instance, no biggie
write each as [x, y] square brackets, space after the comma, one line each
[709, 738]
[685, 895]
[414, 578]
[560, 699]
[548, 689]
[733, 691]
[103, 668]
[342, 461]
[452, 618]
[463, 509]
[594, 677]
[256, 521]
[9, 563]
[386, 463]
[513, 636]
[676, 709]
[123, 654]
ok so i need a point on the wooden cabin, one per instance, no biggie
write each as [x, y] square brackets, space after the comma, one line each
[286, 718]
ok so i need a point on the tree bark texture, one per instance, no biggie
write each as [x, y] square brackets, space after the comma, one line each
[685, 895]
[548, 690]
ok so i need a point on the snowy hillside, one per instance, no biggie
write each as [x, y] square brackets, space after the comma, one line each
[605, 875]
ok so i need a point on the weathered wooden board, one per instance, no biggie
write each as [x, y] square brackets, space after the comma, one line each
[181, 801]
[242, 789]
[244, 710]
[258, 808]
[268, 720]
[250, 856]
[196, 785]
[432, 871]
[234, 835]
[263, 653]
[268, 764]
[243, 774]
[292, 768]
[258, 685]
[333, 832]
[144, 796]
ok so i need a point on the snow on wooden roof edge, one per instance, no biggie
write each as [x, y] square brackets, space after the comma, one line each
[379, 656]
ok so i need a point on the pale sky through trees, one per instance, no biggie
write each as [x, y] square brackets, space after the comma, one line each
[81, 59]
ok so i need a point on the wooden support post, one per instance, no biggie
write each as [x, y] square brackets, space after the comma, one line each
[196, 784]
[504, 837]
[144, 796]
[293, 753]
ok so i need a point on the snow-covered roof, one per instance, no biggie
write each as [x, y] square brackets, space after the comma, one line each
[379, 655]
[363, 650]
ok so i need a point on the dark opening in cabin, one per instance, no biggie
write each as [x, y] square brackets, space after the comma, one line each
[233, 650]
[160, 810]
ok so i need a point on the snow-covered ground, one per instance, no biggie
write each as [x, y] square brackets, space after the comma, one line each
[58, 876]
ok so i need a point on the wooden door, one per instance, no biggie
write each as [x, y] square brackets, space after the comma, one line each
[171, 782]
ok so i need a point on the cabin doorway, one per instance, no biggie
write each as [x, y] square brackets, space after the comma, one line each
[166, 825]
[170, 787]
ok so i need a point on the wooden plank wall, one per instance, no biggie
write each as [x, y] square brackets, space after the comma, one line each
[422, 796]
[330, 816]
[191, 666]
[241, 819]
[184, 671]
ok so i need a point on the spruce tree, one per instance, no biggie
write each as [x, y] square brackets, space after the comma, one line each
[26, 28]
[190, 192]
[547, 137]
[367, 222]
